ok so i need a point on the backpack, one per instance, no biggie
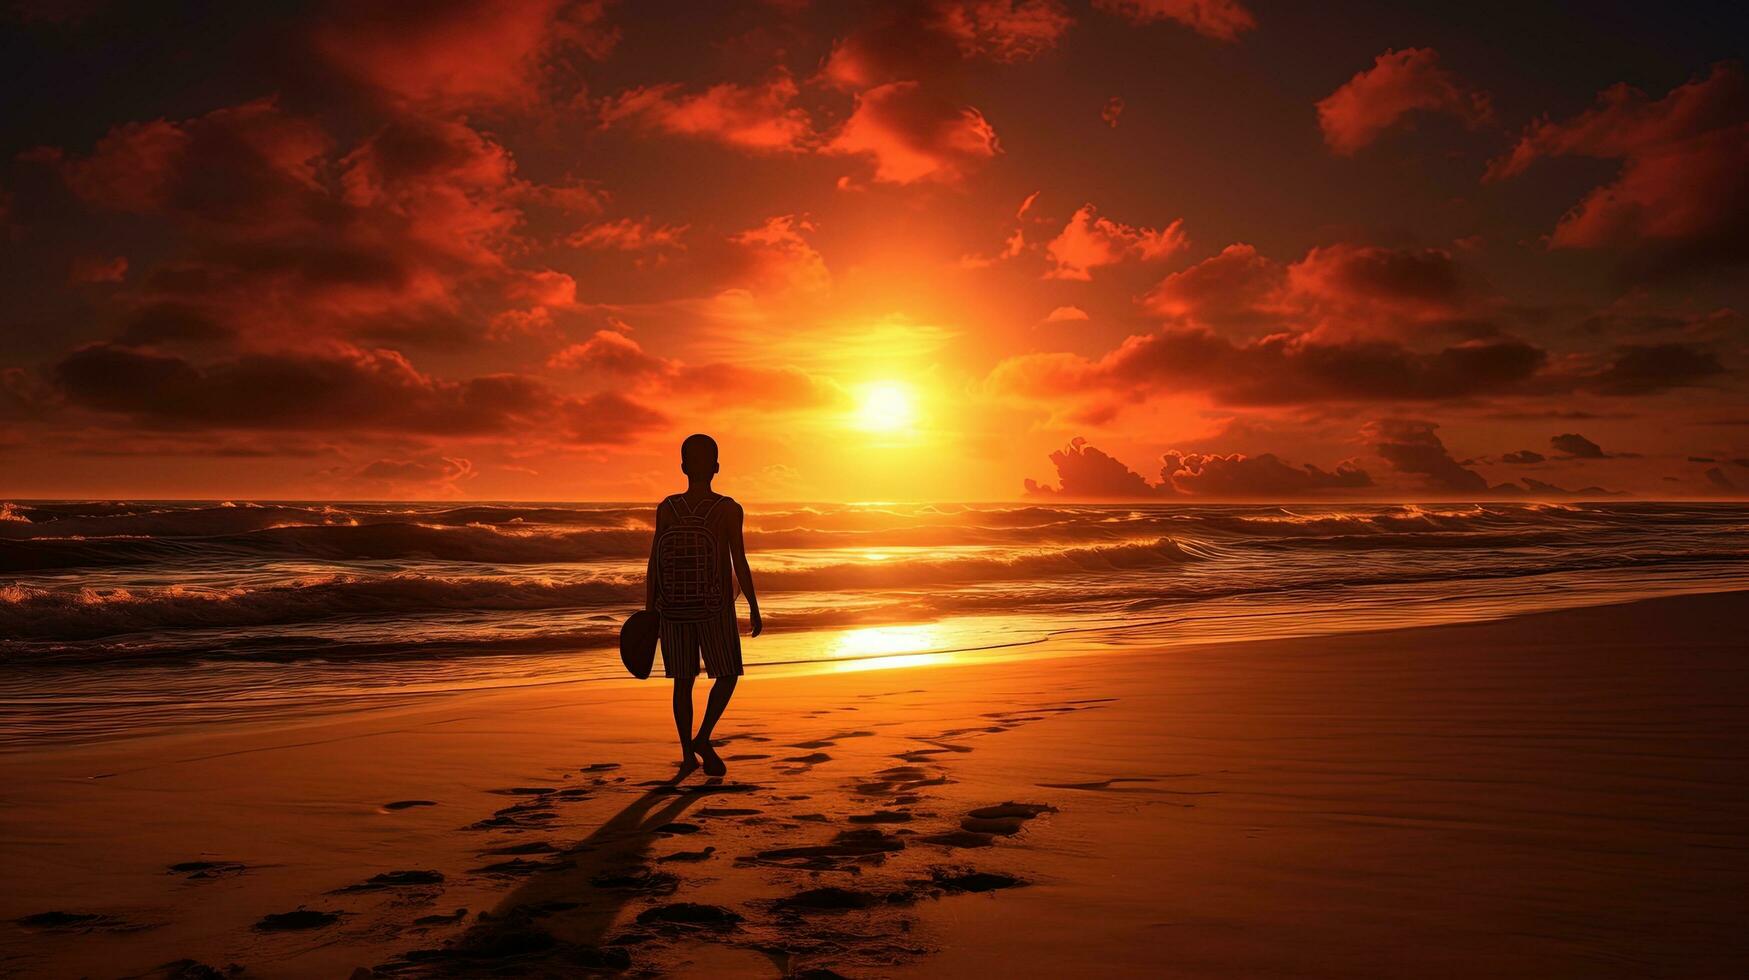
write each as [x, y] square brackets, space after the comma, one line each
[689, 586]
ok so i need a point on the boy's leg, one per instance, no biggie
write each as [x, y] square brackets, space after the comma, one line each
[683, 718]
[721, 691]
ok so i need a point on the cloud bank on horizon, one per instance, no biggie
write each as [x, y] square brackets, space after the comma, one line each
[470, 249]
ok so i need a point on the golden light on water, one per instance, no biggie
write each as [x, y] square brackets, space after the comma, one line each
[881, 647]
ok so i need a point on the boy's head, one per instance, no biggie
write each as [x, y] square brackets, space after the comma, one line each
[698, 456]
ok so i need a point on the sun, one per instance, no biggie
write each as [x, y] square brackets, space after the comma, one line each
[885, 406]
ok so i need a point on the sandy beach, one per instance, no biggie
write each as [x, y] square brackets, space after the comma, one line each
[1558, 794]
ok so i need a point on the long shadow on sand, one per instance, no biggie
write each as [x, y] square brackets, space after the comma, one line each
[558, 920]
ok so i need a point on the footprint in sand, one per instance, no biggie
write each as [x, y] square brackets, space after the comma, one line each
[811, 759]
[520, 868]
[522, 816]
[1103, 784]
[959, 838]
[689, 915]
[392, 879]
[297, 920]
[746, 757]
[688, 856]
[955, 880]
[59, 921]
[818, 743]
[678, 828]
[1004, 818]
[442, 919]
[639, 879]
[835, 899]
[881, 816]
[201, 870]
[532, 847]
[860, 843]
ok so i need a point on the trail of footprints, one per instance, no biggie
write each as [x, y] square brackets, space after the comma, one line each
[849, 892]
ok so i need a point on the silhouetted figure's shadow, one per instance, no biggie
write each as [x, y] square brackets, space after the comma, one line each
[560, 918]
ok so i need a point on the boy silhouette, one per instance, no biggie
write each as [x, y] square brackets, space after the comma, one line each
[697, 559]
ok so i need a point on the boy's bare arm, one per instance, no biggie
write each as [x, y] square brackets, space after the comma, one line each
[650, 569]
[744, 574]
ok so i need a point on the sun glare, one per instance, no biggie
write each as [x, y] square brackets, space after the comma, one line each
[885, 406]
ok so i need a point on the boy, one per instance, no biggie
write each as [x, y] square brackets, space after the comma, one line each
[696, 561]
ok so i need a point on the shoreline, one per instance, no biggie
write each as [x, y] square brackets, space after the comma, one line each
[1555, 778]
[225, 693]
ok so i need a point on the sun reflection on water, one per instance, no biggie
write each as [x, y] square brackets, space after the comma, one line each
[882, 647]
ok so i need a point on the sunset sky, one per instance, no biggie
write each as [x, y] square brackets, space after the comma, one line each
[1242, 249]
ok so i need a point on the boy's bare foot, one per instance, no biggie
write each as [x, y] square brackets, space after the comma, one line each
[713, 763]
[685, 766]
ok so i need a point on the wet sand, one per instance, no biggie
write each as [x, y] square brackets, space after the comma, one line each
[1555, 795]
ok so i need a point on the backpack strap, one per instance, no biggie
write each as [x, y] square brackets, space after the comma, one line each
[692, 512]
[715, 500]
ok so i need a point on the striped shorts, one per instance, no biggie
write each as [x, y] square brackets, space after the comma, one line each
[717, 641]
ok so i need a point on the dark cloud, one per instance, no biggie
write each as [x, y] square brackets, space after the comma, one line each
[339, 389]
[1523, 457]
[1575, 446]
[1649, 369]
[456, 55]
[1717, 478]
[414, 233]
[1413, 447]
[1278, 370]
[172, 323]
[1262, 476]
[247, 169]
[1681, 200]
[1085, 473]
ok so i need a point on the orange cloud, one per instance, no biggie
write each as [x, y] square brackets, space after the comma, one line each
[911, 41]
[760, 118]
[1398, 83]
[1004, 30]
[914, 136]
[611, 353]
[716, 385]
[1223, 20]
[1236, 285]
[1088, 242]
[629, 235]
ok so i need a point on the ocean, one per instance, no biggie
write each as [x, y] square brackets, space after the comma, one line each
[121, 618]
